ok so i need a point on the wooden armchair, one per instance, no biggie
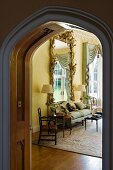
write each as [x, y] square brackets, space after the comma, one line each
[48, 128]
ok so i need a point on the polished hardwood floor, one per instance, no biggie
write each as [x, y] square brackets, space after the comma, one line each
[44, 158]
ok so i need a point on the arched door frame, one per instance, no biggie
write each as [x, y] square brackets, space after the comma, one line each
[61, 14]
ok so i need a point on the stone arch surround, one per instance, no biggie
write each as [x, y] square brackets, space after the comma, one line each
[61, 14]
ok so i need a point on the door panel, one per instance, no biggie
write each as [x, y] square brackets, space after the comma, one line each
[20, 154]
[19, 122]
[20, 96]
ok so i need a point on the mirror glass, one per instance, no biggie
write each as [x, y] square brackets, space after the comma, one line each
[62, 67]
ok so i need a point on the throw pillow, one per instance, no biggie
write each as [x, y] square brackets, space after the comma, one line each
[80, 105]
[52, 109]
[87, 106]
[65, 110]
[63, 104]
[70, 107]
[72, 103]
[59, 109]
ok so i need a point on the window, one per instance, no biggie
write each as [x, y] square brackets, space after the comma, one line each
[59, 83]
[95, 78]
[93, 83]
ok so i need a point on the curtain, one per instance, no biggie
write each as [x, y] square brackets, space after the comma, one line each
[64, 60]
[84, 64]
[89, 53]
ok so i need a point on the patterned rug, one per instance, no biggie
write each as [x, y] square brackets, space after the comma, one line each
[87, 142]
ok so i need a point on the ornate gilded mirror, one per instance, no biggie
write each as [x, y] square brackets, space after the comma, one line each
[62, 65]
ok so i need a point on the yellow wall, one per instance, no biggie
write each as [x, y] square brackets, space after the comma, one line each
[40, 72]
[40, 76]
[81, 37]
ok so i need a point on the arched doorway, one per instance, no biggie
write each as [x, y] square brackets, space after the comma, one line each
[73, 16]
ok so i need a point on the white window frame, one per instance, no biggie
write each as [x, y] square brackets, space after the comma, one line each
[97, 94]
[63, 94]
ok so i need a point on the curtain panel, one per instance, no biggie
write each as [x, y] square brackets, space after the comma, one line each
[65, 60]
[89, 53]
[84, 63]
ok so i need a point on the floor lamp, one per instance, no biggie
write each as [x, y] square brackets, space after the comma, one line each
[48, 89]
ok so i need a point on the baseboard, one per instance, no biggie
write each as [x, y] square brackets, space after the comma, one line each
[35, 130]
[35, 134]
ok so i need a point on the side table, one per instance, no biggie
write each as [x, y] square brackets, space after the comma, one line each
[95, 117]
[64, 118]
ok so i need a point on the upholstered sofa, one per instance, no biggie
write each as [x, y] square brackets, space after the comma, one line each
[77, 110]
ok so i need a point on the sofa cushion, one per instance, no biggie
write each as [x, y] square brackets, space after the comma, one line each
[85, 112]
[80, 105]
[76, 114]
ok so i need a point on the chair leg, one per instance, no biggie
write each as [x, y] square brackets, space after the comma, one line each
[55, 138]
[39, 140]
[39, 137]
[70, 126]
[82, 122]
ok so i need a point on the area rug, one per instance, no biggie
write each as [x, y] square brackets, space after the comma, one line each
[87, 142]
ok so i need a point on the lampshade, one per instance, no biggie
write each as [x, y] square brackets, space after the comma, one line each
[47, 88]
[81, 88]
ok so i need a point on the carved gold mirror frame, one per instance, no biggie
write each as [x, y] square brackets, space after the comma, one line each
[67, 37]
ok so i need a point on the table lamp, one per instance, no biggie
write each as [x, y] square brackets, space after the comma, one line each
[82, 89]
[48, 89]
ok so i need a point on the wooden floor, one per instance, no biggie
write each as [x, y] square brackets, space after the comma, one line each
[44, 158]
